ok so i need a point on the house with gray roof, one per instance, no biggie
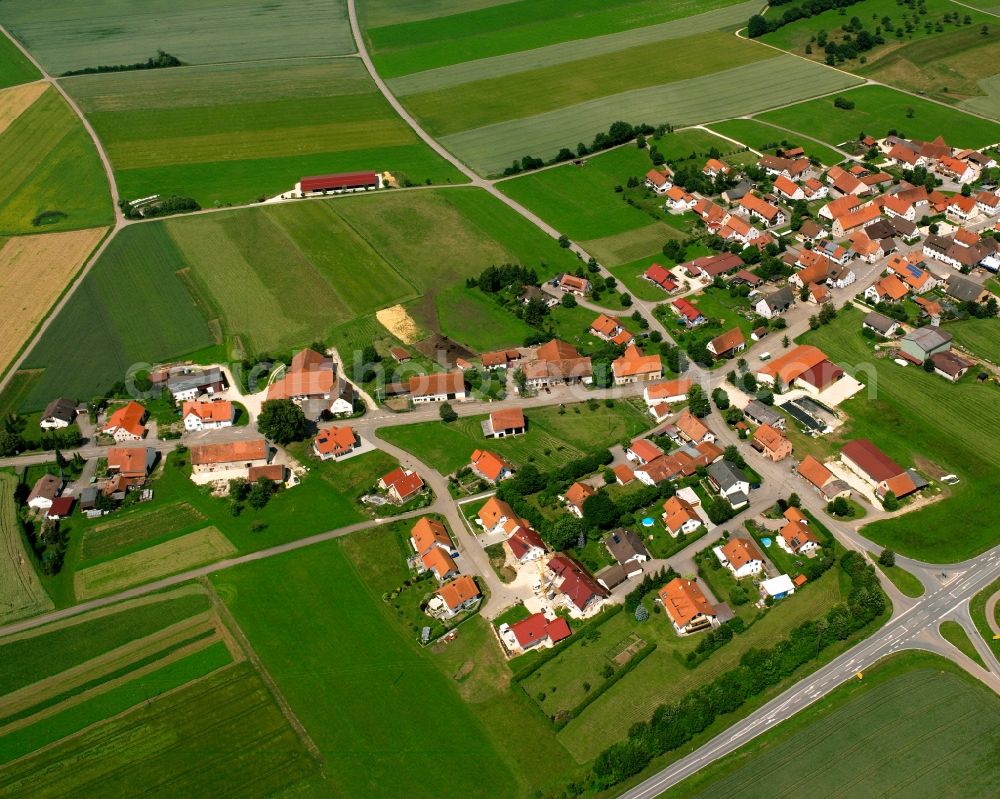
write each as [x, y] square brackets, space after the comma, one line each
[59, 413]
[761, 413]
[775, 303]
[881, 324]
[627, 548]
[924, 342]
[731, 483]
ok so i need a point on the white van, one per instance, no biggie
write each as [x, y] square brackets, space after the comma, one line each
[765, 356]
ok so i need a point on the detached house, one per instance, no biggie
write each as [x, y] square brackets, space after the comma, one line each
[659, 276]
[658, 181]
[680, 517]
[208, 415]
[888, 289]
[438, 387]
[557, 362]
[689, 314]
[581, 593]
[687, 607]
[524, 544]
[126, 422]
[730, 482]
[335, 442]
[496, 514]
[227, 460]
[741, 557]
[692, 429]
[58, 414]
[490, 467]
[670, 391]
[44, 492]
[714, 167]
[576, 495]
[188, 384]
[502, 424]
[634, 367]
[627, 549]
[428, 534]
[401, 484]
[763, 210]
[797, 539]
[822, 479]
[679, 201]
[460, 594]
[775, 303]
[607, 328]
[533, 632]
[788, 189]
[727, 344]
[771, 443]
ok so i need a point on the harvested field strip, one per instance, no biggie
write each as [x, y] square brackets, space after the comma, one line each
[15, 702]
[34, 272]
[564, 52]
[185, 552]
[16, 100]
[110, 537]
[144, 684]
[21, 592]
[63, 37]
[38, 653]
[222, 735]
[548, 89]
[721, 95]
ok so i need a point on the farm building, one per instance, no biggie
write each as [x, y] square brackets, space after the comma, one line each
[338, 184]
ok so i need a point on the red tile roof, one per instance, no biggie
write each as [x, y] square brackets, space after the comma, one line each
[230, 452]
[871, 460]
[335, 440]
[128, 418]
[683, 601]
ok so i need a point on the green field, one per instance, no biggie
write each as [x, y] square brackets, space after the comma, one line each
[632, 244]
[14, 67]
[955, 436]
[907, 583]
[550, 88]
[335, 655]
[62, 37]
[125, 531]
[879, 109]
[552, 439]
[916, 726]
[571, 51]
[981, 337]
[472, 318]
[955, 634]
[468, 32]
[236, 133]
[720, 95]
[50, 164]
[760, 136]
[21, 592]
[977, 609]
[662, 678]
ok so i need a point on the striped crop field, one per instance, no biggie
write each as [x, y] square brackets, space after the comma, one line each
[14, 67]
[21, 592]
[235, 133]
[66, 35]
[563, 52]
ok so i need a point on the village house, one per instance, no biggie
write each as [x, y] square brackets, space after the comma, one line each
[863, 248]
[776, 303]
[576, 495]
[634, 367]
[126, 423]
[730, 482]
[814, 189]
[741, 557]
[689, 315]
[841, 206]
[642, 451]
[208, 415]
[659, 276]
[501, 359]
[960, 171]
[679, 201]
[889, 289]
[44, 492]
[714, 167]
[61, 508]
[534, 632]
[453, 597]
[571, 284]
[441, 387]
[761, 209]
[804, 366]
[965, 290]
[680, 517]
[189, 384]
[950, 365]
[737, 228]
[556, 363]
[962, 208]
[401, 484]
[659, 181]
[822, 479]
[844, 182]
[524, 544]
[623, 474]
[230, 459]
[905, 268]
[129, 466]
[880, 324]
[495, 514]
[797, 539]
[846, 224]
[686, 606]
[334, 443]
[876, 468]
[607, 328]
[790, 168]
[771, 443]
[428, 534]
[502, 424]
[440, 563]
[58, 414]
[727, 344]
[988, 203]
[787, 189]
[490, 467]
[580, 592]
[627, 549]
[670, 391]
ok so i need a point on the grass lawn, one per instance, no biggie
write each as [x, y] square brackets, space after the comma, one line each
[902, 579]
[336, 655]
[717, 95]
[981, 337]
[552, 440]
[51, 166]
[954, 437]
[766, 138]
[977, 609]
[662, 678]
[471, 317]
[915, 710]
[14, 67]
[877, 110]
[21, 592]
[237, 133]
[718, 304]
[118, 32]
[955, 634]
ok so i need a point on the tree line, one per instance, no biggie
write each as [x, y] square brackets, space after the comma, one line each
[759, 25]
[161, 60]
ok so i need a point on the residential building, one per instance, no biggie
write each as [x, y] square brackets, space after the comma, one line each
[401, 484]
[207, 415]
[775, 303]
[495, 514]
[334, 442]
[428, 534]
[490, 467]
[670, 391]
[889, 289]
[439, 563]
[571, 284]
[731, 483]
[692, 429]
[658, 181]
[741, 557]
[229, 456]
[643, 451]
[607, 328]
[576, 495]
[771, 443]
[796, 538]
[580, 591]
[126, 422]
[950, 366]
[790, 168]
[627, 549]
[502, 424]
[761, 209]
[131, 464]
[686, 606]
[524, 544]
[459, 594]
[534, 632]
[442, 387]
[880, 324]
[189, 384]
[659, 276]
[727, 344]
[58, 414]
[557, 363]
[679, 201]
[846, 224]
[689, 314]
[680, 517]
[634, 367]
[714, 167]
[787, 189]
[44, 492]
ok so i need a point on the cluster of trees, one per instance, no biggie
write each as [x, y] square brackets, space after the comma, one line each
[982, 310]
[758, 25]
[698, 401]
[506, 276]
[167, 206]
[673, 725]
[283, 421]
[48, 541]
[161, 60]
[13, 440]
[827, 313]
[600, 512]
[256, 494]
[618, 133]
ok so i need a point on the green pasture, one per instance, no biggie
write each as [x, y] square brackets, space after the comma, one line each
[400, 49]
[955, 634]
[977, 609]
[217, 730]
[879, 109]
[632, 244]
[932, 722]
[550, 88]
[14, 67]
[981, 337]
[720, 95]
[21, 592]
[763, 137]
[630, 274]
[112, 536]
[472, 318]
[50, 164]
[955, 437]
[553, 438]
[662, 678]
[64, 37]
[335, 655]
[570, 51]
[236, 133]
[375, 13]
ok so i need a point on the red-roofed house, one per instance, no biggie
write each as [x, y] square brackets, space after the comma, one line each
[505, 423]
[727, 344]
[679, 516]
[741, 557]
[714, 167]
[797, 539]
[788, 189]
[524, 544]
[670, 391]
[771, 443]
[686, 606]
[634, 367]
[401, 484]
[763, 210]
[490, 467]
[659, 181]
[126, 422]
[689, 315]
[453, 597]
[576, 495]
[207, 415]
[659, 276]
[335, 442]
[534, 631]
[642, 451]
[581, 592]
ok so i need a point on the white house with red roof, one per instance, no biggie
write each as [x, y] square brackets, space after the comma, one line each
[659, 181]
[208, 415]
[535, 632]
